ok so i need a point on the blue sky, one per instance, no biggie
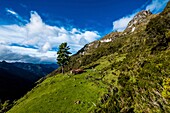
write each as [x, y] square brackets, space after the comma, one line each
[31, 30]
[84, 14]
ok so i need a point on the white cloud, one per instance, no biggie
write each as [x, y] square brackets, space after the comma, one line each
[42, 38]
[90, 35]
[28, 55]
[155, 6]
[121, 24]
[46, 47]
[11, 11]
[16, 15]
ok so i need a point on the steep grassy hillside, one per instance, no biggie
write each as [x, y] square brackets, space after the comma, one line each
[62, 93]
[128, 74]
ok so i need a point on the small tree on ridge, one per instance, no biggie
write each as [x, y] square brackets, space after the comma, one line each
[63, 55]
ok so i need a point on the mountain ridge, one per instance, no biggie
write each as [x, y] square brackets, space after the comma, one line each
[129, 74]
[18, 78]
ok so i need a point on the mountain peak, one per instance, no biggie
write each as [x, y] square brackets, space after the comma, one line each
[138, 19]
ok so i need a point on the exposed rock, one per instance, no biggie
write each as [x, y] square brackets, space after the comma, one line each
[106, 40]
[111, 37]
[139, 18]
[133, 29]
[88, 47]
[77, 102]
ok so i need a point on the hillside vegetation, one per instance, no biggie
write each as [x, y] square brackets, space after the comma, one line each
[131, 73]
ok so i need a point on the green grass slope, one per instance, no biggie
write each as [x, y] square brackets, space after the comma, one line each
[130, 74]
[62, 93]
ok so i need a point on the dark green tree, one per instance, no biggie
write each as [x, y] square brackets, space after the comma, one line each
[63, 55]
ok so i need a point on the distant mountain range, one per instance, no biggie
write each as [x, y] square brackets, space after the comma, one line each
[17, 78]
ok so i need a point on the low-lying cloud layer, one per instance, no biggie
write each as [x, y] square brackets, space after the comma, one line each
[37, 42]
[155, 6]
